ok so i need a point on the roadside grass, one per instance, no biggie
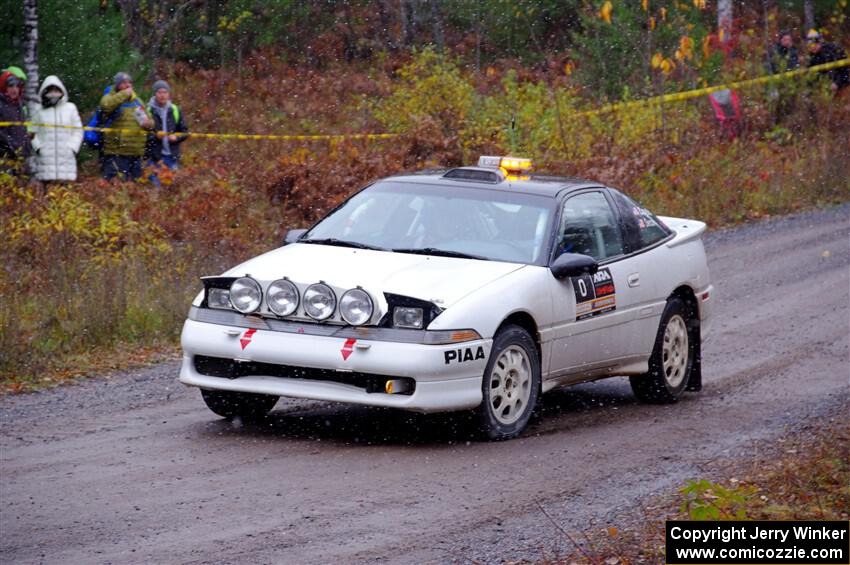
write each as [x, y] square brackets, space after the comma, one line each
[96, 362]
[804, 475]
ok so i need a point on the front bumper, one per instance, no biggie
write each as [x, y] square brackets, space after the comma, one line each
[448, 377]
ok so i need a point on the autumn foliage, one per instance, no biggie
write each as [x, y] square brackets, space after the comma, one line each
[93, 266]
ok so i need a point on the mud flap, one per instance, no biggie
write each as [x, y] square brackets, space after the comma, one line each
[695, 379]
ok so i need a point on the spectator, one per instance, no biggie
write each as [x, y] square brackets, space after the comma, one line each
[783, 56]
[18, 72]
[14, 142]
[821, 53]
[56, 148]
[163, 146]
[123, 150]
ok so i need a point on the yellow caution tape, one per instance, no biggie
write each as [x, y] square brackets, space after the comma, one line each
[335, 137]
[674, 97]
[688, 94]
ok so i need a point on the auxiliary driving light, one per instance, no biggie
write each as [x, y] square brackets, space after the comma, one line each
[355, 307]
[282, 297]
[319, 301]
[246, 295]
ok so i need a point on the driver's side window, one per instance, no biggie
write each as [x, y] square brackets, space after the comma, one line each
[588, 226]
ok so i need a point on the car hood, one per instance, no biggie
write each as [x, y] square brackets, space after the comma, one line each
[442, 280]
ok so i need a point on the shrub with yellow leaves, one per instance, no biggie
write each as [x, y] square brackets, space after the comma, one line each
[430, 85]
[605, 12]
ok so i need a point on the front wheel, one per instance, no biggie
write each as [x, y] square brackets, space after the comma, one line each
[510, 386]
[245, 405]
[672, 357]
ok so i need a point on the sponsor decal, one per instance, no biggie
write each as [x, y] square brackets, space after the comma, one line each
[348, 348]
[595, 294]
[463, 355]
[246, 337]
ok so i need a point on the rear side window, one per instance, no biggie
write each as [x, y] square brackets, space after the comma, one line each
[643, 228]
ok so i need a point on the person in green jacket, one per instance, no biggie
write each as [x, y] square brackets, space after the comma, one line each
[123, 150]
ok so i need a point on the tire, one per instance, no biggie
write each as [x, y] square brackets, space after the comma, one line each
[673, 355]
[511, 385]
[245, 405]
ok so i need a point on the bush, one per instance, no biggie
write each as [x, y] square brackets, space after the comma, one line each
[83, 274]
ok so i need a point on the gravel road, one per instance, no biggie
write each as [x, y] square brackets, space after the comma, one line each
[134, 469]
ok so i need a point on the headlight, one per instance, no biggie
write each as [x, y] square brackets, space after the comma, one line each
[246, 295]
[282, 297]
[406, 317]
[218, 298]
[319, 301]
[355, 306]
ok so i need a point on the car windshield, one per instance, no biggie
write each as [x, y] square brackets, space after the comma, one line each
[452, 221]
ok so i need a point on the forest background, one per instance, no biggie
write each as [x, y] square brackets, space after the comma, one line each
[96, 276]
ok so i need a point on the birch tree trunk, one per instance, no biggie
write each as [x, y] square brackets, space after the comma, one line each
[724, 19]
[406, 22]
[808, 16]
[437, 23]
[31, 54]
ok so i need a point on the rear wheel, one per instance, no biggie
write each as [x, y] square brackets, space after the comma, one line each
[510, 386]
[245, 405]
[672, 357]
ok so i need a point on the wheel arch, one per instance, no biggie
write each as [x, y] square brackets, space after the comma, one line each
[526, 321]
[687, 295]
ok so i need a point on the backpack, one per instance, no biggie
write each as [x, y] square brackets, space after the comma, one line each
[92, 138]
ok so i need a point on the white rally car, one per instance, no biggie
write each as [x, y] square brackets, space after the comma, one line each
[477, 288]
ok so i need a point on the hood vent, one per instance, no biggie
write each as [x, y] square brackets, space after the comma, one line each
[475, 174]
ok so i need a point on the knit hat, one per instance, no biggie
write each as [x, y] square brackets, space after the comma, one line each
[121, 77]
[18, 72]
[813, 36]
[161, 84]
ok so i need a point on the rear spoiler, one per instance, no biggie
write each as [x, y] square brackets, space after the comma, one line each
[685, 230]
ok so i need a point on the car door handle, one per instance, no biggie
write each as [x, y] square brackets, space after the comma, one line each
[633, 280]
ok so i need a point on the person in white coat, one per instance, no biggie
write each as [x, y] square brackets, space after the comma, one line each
[56, 148]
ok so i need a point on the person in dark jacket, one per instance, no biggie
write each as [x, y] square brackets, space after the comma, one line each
[18, 72]
[163, 146]
[822, 53]
[783, 56]
[14, 141]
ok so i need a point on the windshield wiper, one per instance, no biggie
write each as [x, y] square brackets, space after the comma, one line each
[342, 243]
[440, 252]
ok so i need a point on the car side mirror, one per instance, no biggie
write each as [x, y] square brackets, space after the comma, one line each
[292, 236]
[573, 265]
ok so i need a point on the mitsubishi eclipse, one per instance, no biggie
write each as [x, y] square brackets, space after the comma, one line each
[477, 288]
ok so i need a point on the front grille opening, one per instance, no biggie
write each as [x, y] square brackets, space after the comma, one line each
[230, 369]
